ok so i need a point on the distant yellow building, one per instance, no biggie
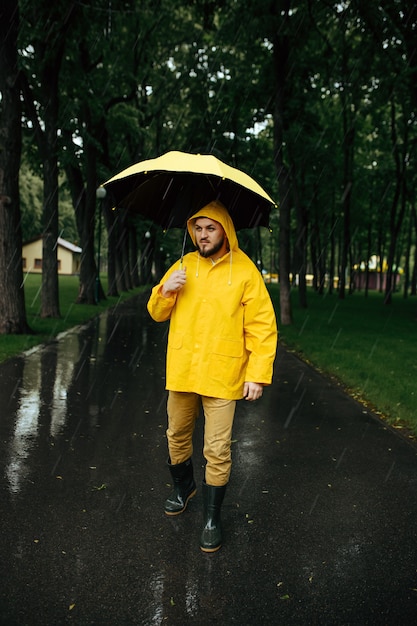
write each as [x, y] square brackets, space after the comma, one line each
[68, 257]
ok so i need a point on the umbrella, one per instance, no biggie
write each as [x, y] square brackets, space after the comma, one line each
[174, 186]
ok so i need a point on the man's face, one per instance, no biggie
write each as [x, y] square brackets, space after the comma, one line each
[210, 238]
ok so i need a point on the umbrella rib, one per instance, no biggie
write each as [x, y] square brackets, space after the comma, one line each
[210, 183]
[168, 188]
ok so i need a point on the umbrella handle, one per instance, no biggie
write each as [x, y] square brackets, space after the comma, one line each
[183, 248]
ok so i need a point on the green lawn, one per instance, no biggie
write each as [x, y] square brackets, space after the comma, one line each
[71, 314]
[369, 347]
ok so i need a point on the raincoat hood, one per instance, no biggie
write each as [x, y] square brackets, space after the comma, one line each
[215, 211]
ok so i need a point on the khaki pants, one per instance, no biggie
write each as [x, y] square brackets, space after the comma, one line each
[183, 409]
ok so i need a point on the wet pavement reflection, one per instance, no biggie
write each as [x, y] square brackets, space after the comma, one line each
[319, 517]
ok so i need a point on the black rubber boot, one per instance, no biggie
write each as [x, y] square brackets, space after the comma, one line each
[211, 537]
[184, 487]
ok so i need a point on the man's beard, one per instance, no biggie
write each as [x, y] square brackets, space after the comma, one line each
[210, 251]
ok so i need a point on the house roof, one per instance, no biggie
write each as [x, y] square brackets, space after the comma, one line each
[61, 242]
[69, 246]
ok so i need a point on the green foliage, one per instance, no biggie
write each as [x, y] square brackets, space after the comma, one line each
[31, 200]
[140, 78]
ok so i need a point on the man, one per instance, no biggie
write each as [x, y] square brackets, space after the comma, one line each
[221, 348]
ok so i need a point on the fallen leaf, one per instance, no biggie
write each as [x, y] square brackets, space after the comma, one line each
[102, 486]
[71, 606]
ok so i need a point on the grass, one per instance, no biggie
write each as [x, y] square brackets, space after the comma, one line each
[71, 314]
[369, 347]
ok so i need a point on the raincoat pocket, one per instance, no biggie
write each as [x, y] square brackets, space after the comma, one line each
[227, 347]
[227, 365]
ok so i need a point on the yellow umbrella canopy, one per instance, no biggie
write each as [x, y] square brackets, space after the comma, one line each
[170, 188]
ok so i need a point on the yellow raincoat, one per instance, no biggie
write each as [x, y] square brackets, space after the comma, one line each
[223, 330]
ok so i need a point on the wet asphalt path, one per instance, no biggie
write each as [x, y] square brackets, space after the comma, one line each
[320, 517]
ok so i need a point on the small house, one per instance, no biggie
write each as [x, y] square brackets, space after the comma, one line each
[68, 257]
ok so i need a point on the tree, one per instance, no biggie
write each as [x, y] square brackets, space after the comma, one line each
[138, 79]
[12, 303]
[392, 28]
[113, 114]
[398, 203]
[43, 39]
[281, 52]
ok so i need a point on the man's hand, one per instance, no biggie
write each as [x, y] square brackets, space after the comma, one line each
[174, 283]
[252, 391]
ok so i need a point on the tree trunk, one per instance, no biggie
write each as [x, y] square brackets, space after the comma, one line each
[348, 132]
[90, 291]
[300, 248]
[146, 257]
[259, 250]
[49, 151]
[50, 286]
[313, 255]
[46, 137]
[122, 256]
[111, 220]
[284, 243]
[368, 256]
[280, 54]
[12, 301]
[413, 285]
[133, 254]
[348, 117]
[42, 106]
[332, 259]
[400, 192]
